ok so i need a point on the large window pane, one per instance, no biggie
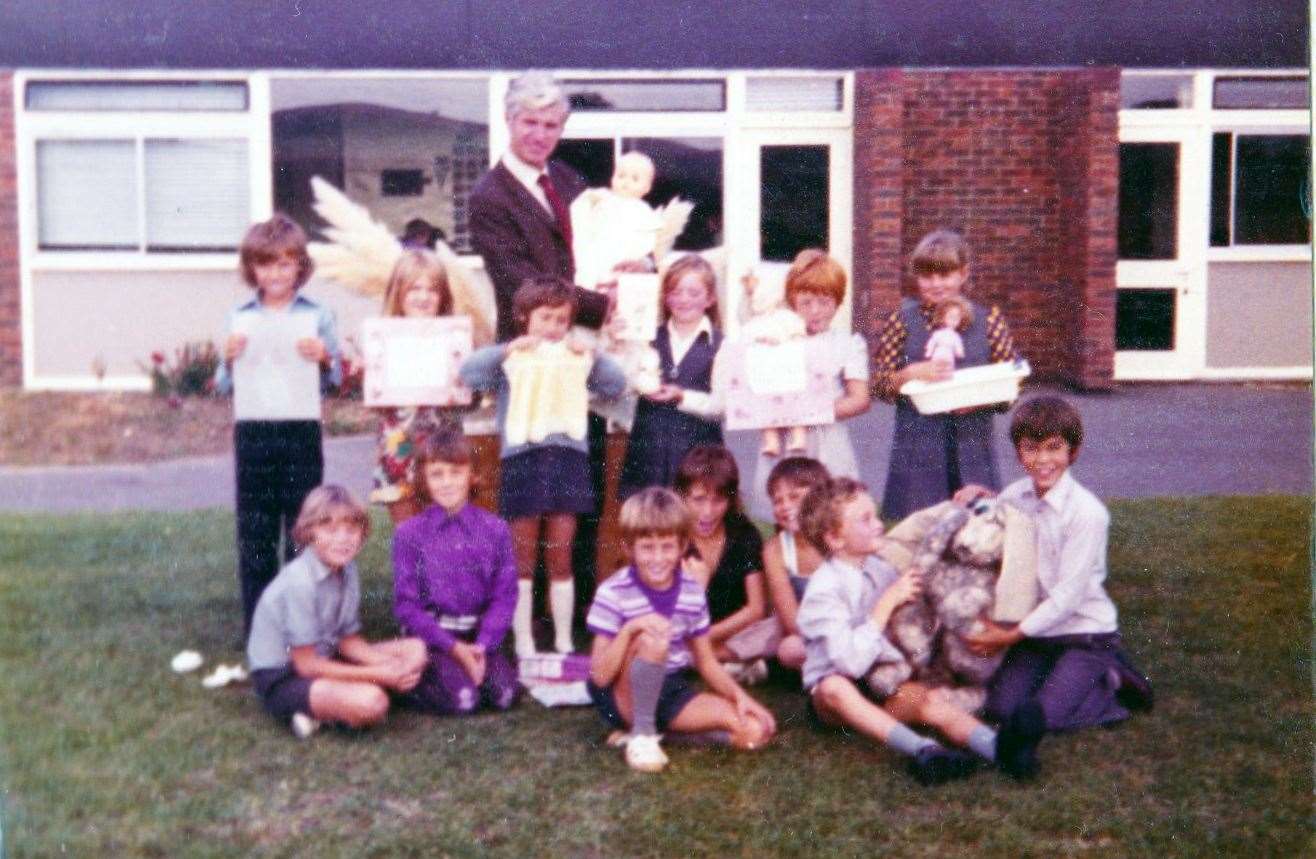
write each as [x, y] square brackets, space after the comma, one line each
[1272, 190]
[363, 135]
[196, 194]
[793, 200]
[1156, 92]
[1149, 200]
[87, 195]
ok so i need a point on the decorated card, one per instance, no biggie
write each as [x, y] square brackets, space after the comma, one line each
[271, 380]
[414, 362]
[776, 385]
[637, 307]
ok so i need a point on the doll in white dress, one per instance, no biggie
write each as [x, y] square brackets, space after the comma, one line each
[772, 321]
[945, 347]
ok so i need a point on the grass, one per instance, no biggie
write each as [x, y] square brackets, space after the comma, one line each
[106, 752]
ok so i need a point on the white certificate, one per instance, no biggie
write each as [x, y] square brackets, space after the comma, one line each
[414, 362]
[778, 368]
[637, 306]
[271, 380]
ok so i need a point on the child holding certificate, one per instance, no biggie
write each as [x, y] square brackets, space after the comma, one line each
[417, 288]
[280, 349]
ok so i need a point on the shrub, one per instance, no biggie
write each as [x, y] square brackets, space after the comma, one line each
[191, 373]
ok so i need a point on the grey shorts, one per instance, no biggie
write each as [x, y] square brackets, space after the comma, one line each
[283, 692]
[677, 691]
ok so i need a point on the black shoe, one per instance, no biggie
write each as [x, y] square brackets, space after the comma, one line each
[937, 764]
[1016, 744]
[1135, 690]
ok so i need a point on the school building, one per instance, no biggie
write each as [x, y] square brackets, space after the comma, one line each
[1137, 191]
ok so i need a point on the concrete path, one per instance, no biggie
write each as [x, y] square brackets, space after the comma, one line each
[1142, 440]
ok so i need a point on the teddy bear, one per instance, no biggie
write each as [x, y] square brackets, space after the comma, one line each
[976, 562]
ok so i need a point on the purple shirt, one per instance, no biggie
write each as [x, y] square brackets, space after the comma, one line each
[623, 597]
[452, 574]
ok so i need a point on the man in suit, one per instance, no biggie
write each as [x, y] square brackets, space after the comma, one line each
[519, 217]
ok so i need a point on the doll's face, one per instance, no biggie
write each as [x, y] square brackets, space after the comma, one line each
[951, 317]
[633, 177]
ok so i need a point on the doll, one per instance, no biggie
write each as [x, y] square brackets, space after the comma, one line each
[950, 317]
[772, 321]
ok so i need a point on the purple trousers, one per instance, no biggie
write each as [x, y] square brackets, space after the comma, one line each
[1073, 678]
[445, 689]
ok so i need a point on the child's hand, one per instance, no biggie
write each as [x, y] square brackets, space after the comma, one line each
[966, 495]
[395, 675]
[312, 349]
[991, 638]
[524, 343]
[580, 347]
[666, 393]
[234, 347]
[906, 588]
[654, 624]
[749, 282]
[927, 371]
[748, 708]
[471, 658]
[633, 266]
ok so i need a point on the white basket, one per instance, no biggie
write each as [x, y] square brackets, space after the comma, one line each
[986, 385]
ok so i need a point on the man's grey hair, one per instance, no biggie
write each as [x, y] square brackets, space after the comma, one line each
[534, 91]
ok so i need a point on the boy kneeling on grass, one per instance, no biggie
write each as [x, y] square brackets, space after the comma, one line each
[309, 662]
[650, 624]
[1066, 667]
[843, 618]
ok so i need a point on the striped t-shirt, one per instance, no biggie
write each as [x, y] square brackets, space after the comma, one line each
[623, 597]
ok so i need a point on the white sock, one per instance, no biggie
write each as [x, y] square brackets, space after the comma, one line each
[562, 605]
[522, 632]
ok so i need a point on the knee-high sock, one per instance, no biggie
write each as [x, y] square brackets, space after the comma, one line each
[562, 605]
[522, 632]
[646, 685]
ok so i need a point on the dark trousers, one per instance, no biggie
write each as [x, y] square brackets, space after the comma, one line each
[1073, 678]
[278, 463]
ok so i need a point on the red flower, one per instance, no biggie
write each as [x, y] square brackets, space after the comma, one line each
[157, 358]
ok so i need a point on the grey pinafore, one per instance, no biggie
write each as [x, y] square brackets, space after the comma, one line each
[933, 455]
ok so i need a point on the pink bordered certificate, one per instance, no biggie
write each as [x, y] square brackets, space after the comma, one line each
[414, 362]
[776, 385]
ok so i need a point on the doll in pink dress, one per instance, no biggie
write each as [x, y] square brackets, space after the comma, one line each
[949, 318]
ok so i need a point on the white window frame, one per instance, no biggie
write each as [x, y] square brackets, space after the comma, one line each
[1204, 121]
[31, 126]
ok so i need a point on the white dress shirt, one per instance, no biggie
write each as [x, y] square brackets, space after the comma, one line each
[528, 175]
[1072, 527]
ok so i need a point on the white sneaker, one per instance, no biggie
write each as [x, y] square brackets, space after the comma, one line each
[303, 726]
[617, 740]
[644, 754]
[755, 672]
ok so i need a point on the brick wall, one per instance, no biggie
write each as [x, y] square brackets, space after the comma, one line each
[11, 347]
[1023, 162]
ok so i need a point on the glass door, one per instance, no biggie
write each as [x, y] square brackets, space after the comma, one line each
[1160, 315]
[789, 189]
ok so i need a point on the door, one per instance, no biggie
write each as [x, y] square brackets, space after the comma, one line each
[1160, 307]
[787, 190]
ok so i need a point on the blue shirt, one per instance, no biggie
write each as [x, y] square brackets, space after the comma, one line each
[306, 604]
[325, 328]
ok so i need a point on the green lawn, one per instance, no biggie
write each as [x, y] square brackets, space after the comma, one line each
[107, 753]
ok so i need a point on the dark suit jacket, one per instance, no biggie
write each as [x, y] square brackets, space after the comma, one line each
[519, 239]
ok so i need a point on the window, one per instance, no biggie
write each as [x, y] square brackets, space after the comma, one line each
[794, 94]
[403, 148]
[1149, 200]
[1156, 91]
[136, 95]
[152, 194]
[1260, 189]
[646, 96]
[1144, 320]
[1261, 93]
[793, 205]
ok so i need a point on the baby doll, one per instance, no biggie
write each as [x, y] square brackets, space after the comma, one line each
[614, 225]
[951, 316]
[772, 321]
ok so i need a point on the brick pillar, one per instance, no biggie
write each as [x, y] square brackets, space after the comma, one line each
[11, 345]
[1087, 162]
[878, 195]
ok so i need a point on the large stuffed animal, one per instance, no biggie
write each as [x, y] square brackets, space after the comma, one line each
[975, 563]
